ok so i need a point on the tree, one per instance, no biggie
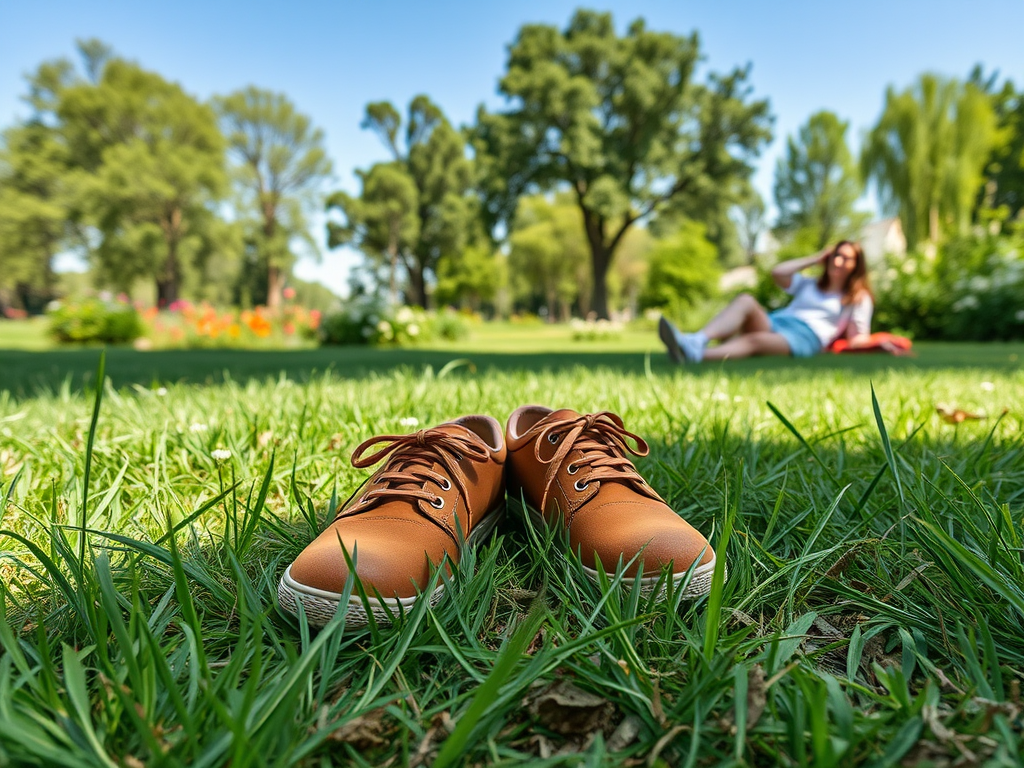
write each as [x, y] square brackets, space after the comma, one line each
[816, 182]
[470, 278]
[148, 164]
[628, 273]
[382, 222]
[547, 250]
[619, 121]
[33, 210]
[927, 155]
[749, 216]
[433, 155]
[1004, 186]
[281, 163]
[683, 270]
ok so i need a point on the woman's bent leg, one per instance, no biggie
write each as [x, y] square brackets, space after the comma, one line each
[743, 315]
[749, 345]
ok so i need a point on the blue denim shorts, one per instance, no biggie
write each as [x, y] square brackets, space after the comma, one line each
[803, 342]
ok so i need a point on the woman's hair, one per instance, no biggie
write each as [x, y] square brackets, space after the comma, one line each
[857, 284]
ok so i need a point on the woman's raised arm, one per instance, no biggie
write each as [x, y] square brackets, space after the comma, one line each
[782, 273]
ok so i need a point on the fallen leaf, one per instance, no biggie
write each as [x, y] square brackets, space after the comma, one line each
[952, 415]
[564, 708]
[362, 732]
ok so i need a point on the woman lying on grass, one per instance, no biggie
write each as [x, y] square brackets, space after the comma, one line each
[836, 305]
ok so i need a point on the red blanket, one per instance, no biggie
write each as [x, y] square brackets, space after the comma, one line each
[877, 342]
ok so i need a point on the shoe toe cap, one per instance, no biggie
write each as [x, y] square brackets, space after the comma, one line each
[628, 529]
[387, 562]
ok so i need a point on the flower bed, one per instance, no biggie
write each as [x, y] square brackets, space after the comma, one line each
[184, 325]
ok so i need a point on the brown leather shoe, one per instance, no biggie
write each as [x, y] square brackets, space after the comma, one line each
[574, 469]
[439, 486]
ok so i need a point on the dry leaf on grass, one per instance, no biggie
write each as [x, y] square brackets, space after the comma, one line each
[952, 415]
[363, 732]
[566, 709]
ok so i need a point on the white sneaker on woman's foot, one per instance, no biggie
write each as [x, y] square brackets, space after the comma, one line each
[682, 347]
[693, 345]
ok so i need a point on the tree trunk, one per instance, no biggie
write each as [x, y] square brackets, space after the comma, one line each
[275, 274]
[167, 283]
[393, 287]
[418, 286]
[166, 292]
[275, 287]
[600, 259]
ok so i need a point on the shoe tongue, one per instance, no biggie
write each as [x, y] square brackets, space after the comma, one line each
[561, 415]
[454, 428]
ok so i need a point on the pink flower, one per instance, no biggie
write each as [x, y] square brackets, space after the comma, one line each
[289, 293]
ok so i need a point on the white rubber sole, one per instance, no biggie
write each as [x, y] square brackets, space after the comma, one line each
[699, 584]
[320, 606]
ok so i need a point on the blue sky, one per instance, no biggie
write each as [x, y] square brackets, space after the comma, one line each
[332, 58]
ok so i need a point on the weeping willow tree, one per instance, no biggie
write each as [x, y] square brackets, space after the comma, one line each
[927, 155]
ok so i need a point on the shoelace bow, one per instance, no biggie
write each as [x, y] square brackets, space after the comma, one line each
[603, 439]
[412, 457]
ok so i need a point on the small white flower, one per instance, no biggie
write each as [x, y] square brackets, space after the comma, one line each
[413, 329]
[738, 399]
[405, 315]
[221, 454]
[409, 421]
[161, 392]
[197, 427]
[719, 396]
[988, 386]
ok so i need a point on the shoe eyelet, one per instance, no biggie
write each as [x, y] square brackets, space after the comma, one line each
[572, 469]
[437, 503]
[579, 487]
[446, 484]
[552, 438]
[458, 458]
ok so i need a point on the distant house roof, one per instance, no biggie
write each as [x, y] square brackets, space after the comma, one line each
[883, 237]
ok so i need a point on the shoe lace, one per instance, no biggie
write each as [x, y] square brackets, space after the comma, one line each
[603, 440]
[411, 464]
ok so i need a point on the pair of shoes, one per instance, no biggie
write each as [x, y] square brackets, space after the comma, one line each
[443, 489]
[682, 347]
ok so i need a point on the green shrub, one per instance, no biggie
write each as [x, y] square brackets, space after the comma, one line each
[448, 325]
[972, 290]
[367, 321]
[95, 321]
[683, 271]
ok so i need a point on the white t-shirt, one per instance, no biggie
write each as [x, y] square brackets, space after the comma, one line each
[824, 312]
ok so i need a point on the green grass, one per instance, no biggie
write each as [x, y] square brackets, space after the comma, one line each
[874, 610]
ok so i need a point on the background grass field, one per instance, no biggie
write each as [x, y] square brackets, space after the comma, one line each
[874, 610]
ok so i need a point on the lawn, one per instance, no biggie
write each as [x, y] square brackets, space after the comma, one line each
[874, 610]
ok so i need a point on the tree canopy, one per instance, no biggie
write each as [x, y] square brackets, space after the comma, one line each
[816, 183]
[280, 164]
[622, 123]
[928, 153]
[433, 217]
